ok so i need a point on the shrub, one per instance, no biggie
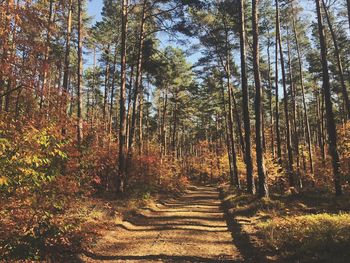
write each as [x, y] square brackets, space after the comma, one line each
[320, 237]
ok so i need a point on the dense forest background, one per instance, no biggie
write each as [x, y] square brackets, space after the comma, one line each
[105, 110]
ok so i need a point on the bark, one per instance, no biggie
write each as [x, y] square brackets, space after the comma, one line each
[245, 101]
[294, 129]
[138, 81]
[67, 50]
[111, 102]
[278, 133]
[231, 100]
[141, 122]
[163, 131]
[270, 100]
[305, 111]
[285, 101]
[348, 7]
[263, 186]
[46, 55]
[122, 117]
[245, 105]
[80, 73]
[339, 62]
[106, 91]
[320, 116]
[331, 126]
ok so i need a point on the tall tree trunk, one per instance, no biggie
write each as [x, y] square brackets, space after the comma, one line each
[278, 133]
[162, 130]
[331, 126]
[106, 91]
[348, 7]
[141, 122]
[80, 73]
[263, 186]
[111, 102]
[122, 117]
[320, 116]
[245, 101]
[138, 81]
[67, 49]
[305, 111]
[46, 55]
[270, 99]
[231, 100]
[232, 167]
[285, 101]
[235, 179]
[339, 62]
[173, 139]
[294, 128]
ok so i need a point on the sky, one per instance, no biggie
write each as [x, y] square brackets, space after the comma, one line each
[94, 8]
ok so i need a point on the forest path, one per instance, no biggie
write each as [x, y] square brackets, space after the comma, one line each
[190, 228]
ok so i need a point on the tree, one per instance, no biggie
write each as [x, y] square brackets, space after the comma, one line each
[331, 126]
[80, 74]
[339, 62]
[122, 114]
[285, 100]
[245, 105]
[263, 187]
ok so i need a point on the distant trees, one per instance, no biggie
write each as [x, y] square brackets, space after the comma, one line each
[111, 85]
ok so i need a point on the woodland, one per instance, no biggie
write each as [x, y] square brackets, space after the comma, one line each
[202, 119]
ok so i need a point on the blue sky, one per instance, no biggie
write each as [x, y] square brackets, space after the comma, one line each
[95, 8]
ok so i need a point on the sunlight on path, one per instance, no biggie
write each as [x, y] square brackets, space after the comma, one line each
[190, 228]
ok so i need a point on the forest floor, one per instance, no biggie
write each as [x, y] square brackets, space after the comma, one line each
[207, 224]
[311, 226]
[188, 228]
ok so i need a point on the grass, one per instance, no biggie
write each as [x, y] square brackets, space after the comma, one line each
[312, 226]
[318, 238]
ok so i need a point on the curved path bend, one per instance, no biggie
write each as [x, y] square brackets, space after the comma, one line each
[190, 228]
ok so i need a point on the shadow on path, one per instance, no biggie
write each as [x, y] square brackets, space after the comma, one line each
[187, 228]
[164, 258]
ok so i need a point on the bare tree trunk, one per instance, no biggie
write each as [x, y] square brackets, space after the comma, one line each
[348, 7]
[111, 102]
[66, 69]
[141, 122]
[245, 101]
[231, 127]
[306, 117]
[80, 73]
[320, 116]
[331, 126]
[122, 123]
[106, 91]
[138, 81]
[163, 131]
[294, 129]
[339, 62]
[46, 55]
[263, 186]
[285, 101]
[270, 100]
[67, 51]
[278, 133]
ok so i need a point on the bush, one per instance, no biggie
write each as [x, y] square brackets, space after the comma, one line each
[320, 237]
[29, 157]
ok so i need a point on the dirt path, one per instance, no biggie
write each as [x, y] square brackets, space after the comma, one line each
[190, 228]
